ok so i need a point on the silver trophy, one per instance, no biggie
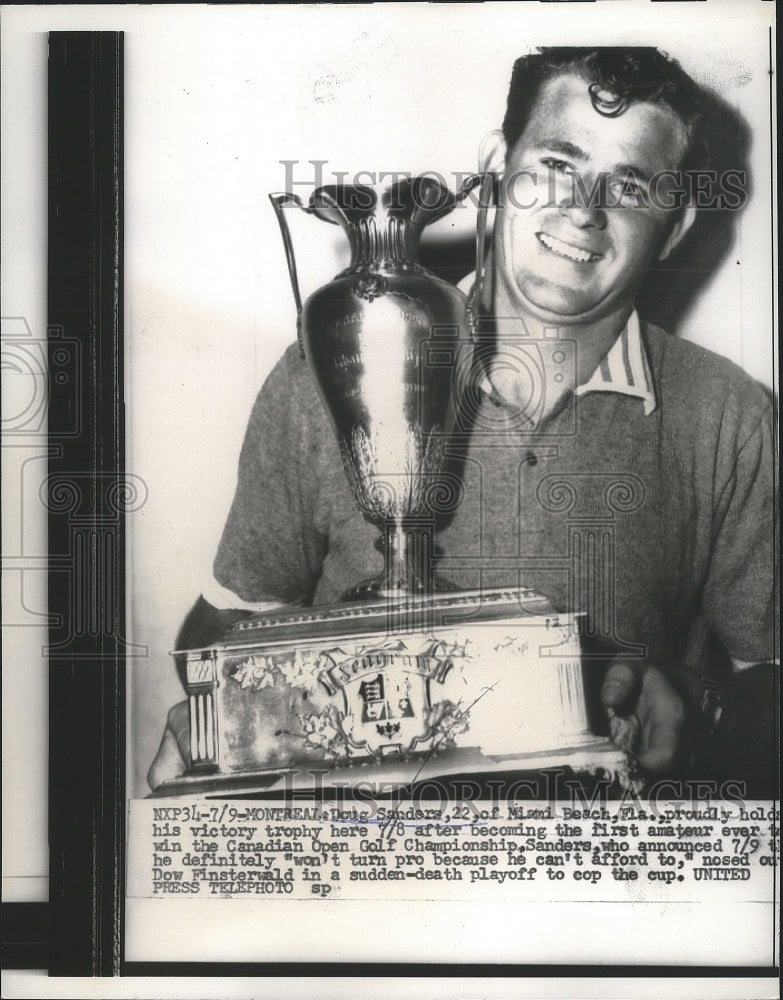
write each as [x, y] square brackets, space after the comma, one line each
[383, 340]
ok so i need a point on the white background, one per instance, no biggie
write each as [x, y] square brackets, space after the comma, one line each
[215, 98]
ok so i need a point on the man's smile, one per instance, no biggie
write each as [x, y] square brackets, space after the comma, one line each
[567, 250]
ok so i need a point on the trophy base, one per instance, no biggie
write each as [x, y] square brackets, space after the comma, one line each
[378, 589]
[346, 684]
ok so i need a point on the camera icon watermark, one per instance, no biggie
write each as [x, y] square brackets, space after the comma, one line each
[32, 367]
[511, 387]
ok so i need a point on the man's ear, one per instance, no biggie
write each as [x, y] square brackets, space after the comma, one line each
[678, 231]
[492, 153]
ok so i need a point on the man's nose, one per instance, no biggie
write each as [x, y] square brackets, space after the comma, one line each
[584, 209]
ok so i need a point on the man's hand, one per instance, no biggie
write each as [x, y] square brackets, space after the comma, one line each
[173, 754]
[646, 715]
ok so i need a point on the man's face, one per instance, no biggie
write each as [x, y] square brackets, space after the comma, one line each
[557, 254]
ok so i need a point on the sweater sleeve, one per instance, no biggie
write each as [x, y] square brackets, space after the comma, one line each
[740, 595]
[270, 549]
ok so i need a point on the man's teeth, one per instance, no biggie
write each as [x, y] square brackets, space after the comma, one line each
[566, 250]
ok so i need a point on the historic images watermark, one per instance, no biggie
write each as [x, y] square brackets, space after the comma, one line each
[552, 182]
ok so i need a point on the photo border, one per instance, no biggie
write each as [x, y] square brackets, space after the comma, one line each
[87, 675]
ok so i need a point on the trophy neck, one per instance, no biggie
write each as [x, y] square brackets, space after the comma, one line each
[384, 222]
[390, 242]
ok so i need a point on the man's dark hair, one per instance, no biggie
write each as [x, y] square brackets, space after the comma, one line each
[628, 74]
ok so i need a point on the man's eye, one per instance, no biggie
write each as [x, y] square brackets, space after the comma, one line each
[626, 190]
[558, 166]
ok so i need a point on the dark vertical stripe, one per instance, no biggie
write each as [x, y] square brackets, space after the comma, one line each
[86, 432]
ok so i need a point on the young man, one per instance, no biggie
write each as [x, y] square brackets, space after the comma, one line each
[611, 467]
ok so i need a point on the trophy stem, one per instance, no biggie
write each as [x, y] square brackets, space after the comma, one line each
[407, 546]
[407, 549]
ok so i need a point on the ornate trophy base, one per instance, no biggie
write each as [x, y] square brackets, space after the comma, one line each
[484, 679]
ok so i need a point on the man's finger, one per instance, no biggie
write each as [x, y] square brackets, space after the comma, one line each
[662, 747]
[622, 684]
[663, 724]
[178, 723]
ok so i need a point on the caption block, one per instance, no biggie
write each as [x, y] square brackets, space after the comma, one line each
[233, 849]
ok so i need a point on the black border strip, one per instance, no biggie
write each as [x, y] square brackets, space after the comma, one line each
[85, 496]
[24, 935]
[376, 970]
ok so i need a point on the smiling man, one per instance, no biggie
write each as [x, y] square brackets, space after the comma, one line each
[593, 166]
[573, 250]
[609, 466]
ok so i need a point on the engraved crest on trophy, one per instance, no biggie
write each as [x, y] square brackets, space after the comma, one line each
[386, 691]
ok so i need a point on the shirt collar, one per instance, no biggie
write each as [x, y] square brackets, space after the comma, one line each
[625, 369]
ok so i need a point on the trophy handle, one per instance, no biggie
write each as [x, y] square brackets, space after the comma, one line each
[477, 294]
[279, 202]
[467, 186]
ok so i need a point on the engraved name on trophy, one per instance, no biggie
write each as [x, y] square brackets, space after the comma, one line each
[404, 665]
